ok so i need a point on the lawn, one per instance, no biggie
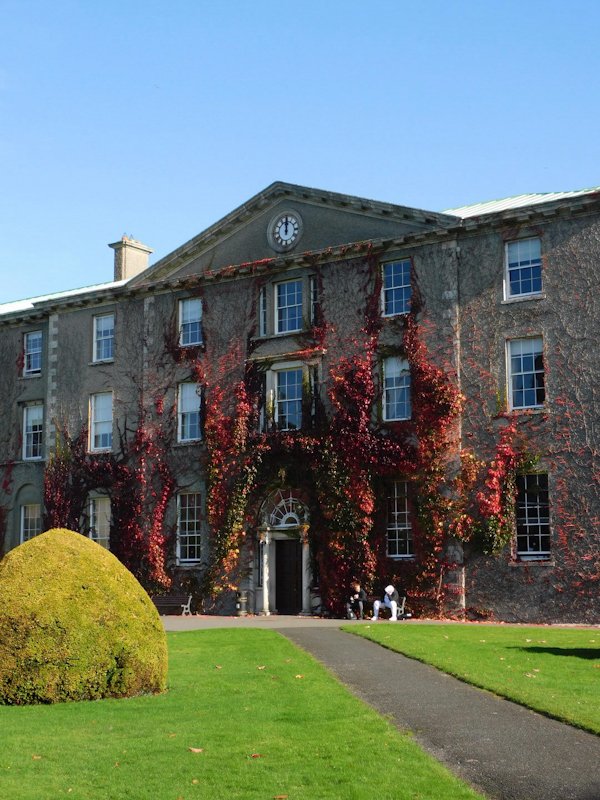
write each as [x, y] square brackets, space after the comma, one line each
[552, 670]
[247, 715]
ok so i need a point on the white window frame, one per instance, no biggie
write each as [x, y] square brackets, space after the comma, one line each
[278, 402]
[518, 262]
[189, 405]
[100, 426]
[396, 372]
[190, 315]
[277, 307]
[30, 522]
[532, 517]
[514, 377]
[103, 341]
[272, 399]
[99, 518]
[398, 522]
[387, 292]
[33, 432]
[184, 532]
[32, 357]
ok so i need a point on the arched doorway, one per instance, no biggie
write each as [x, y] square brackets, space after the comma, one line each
[283, 569]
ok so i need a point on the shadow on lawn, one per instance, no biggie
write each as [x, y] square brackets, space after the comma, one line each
[589, 653]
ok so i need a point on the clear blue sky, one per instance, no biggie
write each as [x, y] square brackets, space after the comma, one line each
[155, 119]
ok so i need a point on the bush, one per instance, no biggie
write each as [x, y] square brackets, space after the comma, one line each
[75, 625]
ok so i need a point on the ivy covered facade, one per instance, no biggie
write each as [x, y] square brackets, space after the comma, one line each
[321, 388]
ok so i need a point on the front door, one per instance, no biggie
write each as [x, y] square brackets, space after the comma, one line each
[288, 576]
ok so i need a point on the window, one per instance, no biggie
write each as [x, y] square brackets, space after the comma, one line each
[189, 535]
[288, 399]
[33, 431]
[190, 322]
[262, 311]
[533, 517]
[289, 396]
[396, 287]
[526, 373]
[104, 337]
[399, 528]
[313, 288]
[288, 306]
[101, 421]
[523, 268]
[188, 412]
[32, 353]
[99, 520]
[396, 389]
[31, 521]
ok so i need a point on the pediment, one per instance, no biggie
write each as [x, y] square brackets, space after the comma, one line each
[327, 220]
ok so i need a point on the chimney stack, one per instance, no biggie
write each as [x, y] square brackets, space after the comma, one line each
[131, 257]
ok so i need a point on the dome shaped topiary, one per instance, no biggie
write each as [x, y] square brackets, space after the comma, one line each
[75, 625]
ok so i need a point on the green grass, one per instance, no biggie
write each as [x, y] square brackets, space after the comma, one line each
[268, 719]
[552, 670]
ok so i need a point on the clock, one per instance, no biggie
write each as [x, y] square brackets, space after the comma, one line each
[284, 230]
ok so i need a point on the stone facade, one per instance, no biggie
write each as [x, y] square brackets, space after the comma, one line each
[291, 314]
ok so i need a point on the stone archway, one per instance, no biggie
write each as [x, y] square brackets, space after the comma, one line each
[283, 576]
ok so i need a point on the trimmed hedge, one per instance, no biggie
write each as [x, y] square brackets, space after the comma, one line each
[75, 625]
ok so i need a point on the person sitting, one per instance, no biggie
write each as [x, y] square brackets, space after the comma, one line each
[356, 604]
[390, 600]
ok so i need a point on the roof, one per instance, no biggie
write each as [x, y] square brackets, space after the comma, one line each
[518, 201]
[22, 306]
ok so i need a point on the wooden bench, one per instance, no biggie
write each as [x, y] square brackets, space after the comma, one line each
[171, 603]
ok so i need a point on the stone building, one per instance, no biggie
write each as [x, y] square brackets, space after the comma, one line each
[344, 388]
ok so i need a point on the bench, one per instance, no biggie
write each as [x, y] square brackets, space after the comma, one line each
[171, 603]
[385, 611]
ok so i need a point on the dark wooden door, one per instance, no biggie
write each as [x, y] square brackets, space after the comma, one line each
[288, 576]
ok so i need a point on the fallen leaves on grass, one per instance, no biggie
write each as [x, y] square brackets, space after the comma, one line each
[35, 757]
[261, 667]
[298, 676]
[196, 749]
[256, 755]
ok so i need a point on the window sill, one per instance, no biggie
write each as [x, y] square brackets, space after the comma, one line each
[402, 558]
[530, 411]
[523, 298]
[101, 361]
[100, 451]
[532, 562]
[188, 442]
[400, 314]
[270, 336]
[29, 376]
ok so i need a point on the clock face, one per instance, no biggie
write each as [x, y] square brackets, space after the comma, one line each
[284, 230]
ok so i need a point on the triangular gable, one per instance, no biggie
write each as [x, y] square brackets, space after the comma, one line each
[328, 219]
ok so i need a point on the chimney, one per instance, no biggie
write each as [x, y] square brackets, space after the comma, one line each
[131, 257]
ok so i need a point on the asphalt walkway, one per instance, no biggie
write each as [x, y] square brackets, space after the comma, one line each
[502, 749]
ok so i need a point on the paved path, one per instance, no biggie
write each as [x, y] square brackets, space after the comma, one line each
[502, 749]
